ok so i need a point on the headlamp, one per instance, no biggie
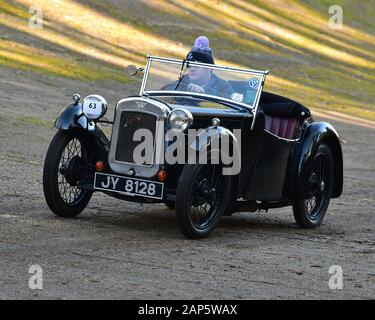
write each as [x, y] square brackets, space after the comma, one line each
[180, 119]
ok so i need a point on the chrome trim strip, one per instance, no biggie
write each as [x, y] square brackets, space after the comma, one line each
[285, 139]
[257, 98]
[208, 66]
[161, 105]
[199, 95]
[145, 76]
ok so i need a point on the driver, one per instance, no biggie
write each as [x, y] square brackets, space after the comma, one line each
[203, 80]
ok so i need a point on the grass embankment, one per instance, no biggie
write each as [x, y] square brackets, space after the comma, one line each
[324, 68]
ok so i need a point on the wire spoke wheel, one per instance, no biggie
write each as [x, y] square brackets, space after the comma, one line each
[65, 170]
[69, 172]
[206, 196]
[319, 184]
[201, 199]
[310, 209]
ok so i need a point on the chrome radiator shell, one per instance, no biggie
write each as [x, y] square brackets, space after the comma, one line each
[144, 111]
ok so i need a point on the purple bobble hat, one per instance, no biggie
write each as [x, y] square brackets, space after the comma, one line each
[201, 51]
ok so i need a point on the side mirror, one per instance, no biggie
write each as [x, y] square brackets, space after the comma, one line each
[132, 70]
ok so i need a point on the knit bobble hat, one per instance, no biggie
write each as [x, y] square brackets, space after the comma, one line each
[201, 51]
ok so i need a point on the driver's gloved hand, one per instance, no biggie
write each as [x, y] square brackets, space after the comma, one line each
[195, 88]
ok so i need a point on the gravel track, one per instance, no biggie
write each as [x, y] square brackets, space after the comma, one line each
[122, 250]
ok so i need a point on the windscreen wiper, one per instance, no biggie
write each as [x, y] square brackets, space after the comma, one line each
[180, 77]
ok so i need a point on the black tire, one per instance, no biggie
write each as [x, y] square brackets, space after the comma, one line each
[310, 209]
[56, 184]
[170, 204]
[193, 190]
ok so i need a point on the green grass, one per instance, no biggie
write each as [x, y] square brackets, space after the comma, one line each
[33, 121]
[13, 9]
[328, 69]
[58, 67]
[19, 158]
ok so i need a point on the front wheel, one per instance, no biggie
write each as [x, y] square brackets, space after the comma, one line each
[309, 209]
[65, 169]
[201, 199]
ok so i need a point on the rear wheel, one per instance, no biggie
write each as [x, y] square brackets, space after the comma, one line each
[201, 199]
[309, 210]
[65, 168]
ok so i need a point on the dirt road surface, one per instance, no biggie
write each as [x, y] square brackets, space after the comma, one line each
[122, 250]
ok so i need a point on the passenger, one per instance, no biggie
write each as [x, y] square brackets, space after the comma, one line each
[203, 80]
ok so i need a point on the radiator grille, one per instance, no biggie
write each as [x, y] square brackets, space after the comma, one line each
[130, 122]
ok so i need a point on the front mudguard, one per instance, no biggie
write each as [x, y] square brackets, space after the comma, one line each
[315, 134]
[206, 138]
[71, 118]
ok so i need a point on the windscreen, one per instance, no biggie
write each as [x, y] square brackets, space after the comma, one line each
[237, 85]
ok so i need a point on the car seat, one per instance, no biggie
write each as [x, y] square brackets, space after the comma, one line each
[282, 115]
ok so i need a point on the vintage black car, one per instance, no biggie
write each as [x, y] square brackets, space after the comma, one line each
[236, 148]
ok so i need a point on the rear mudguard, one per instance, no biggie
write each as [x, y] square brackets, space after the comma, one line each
[317, 133]
[71, 118]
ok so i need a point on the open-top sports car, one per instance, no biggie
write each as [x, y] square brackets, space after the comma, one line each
[203, 150]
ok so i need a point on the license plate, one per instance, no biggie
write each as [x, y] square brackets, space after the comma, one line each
[128, 186]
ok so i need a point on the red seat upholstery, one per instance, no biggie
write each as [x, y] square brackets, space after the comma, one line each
[282, 127]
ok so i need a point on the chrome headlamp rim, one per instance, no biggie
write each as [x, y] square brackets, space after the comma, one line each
[104, 106]
[188, 119]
